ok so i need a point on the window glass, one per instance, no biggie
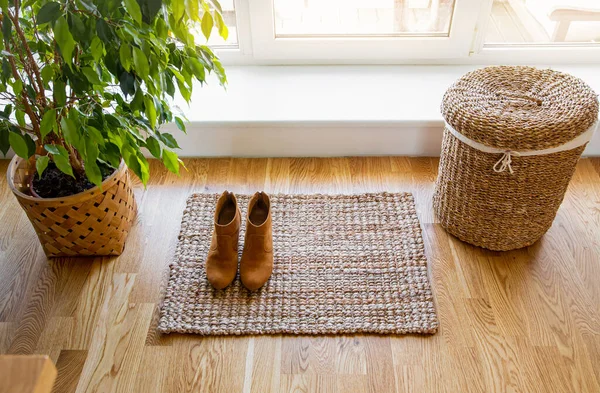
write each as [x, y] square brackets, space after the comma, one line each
[322, 18]
[216, 41]
[544, 22]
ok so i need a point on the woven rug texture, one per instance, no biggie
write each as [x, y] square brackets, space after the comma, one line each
[342, 264]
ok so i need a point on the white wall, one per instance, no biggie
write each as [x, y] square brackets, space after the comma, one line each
[328, 111]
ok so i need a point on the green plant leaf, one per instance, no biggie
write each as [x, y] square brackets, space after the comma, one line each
[218, 68]
[60, 156]
[91, 75]
[6, 112]
[177, 74]
[127, 83]
[149, 9]
[78, 29]
[65, 40]
[52, 149]
[180, 123]
[91, 150]
[112, 154]
[63, 164]
[92, 171]
[17, 87]
[113, 121]
[31, 146]
[130, 158]
[138, 101]
[60, 93]
[41, 164]
[103, 30]
[169, 87]
[4, 142]
[171, 161]
[216, 5]
[168, 140]
[197, 69]
[19, 145]
[89, 5]
[97, 48]
[140, 62]
[6, 70]
[184, 91]
[207, 24]
[192, 9]
[223, 30]
[178, 8]
[48, 123]
[70, 132]
[30, 91]
[134, 10]
[95, 135]
[162, 31]
[144, 168]
[153, 146]
[150, 110]
[20, 115]
[47, 74]
[49, 12]
[6, 26]
[125, 56]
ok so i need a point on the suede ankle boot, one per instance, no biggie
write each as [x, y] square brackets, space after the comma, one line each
[222, 260]
[256, 264]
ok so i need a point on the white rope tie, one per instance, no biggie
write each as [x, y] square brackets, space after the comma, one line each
[506, 160]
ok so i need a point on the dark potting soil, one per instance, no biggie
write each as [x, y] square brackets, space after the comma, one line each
[55, 184]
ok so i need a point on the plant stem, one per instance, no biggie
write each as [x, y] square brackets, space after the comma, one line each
[75, 161]
[32, 63]
[27, 69]
[25, 99]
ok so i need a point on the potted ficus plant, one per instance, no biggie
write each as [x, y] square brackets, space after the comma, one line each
[85, 86]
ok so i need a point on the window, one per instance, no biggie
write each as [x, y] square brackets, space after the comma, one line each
[334, 18]
[405, 31]
[544, 22]
[229, 16]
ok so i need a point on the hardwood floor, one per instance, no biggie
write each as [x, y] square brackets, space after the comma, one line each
[520, 321]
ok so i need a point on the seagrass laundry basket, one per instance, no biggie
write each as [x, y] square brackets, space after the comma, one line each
[512, 139]
[92, 223]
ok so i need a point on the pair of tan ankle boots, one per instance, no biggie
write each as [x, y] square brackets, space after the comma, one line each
[256, 264]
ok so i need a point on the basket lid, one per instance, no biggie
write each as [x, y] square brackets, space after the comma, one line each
[520, 108]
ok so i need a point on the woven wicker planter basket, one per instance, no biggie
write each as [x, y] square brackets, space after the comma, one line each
[93, 222]
[480, 199]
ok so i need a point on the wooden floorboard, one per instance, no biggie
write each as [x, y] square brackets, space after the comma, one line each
[520, 321]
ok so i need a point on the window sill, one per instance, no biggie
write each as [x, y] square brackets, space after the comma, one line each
[328, 111]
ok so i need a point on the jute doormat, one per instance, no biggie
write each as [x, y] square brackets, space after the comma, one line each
[343, 264]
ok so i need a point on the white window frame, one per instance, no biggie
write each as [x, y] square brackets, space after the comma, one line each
[551, 53]
[242, 53]
[257, 44]
[268, 46]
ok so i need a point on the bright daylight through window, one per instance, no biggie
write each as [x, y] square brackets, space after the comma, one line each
[216, 41]
[544, 22]
[404, 30]
[300, 18]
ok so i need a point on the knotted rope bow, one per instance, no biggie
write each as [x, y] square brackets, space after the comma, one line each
[504, 162]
